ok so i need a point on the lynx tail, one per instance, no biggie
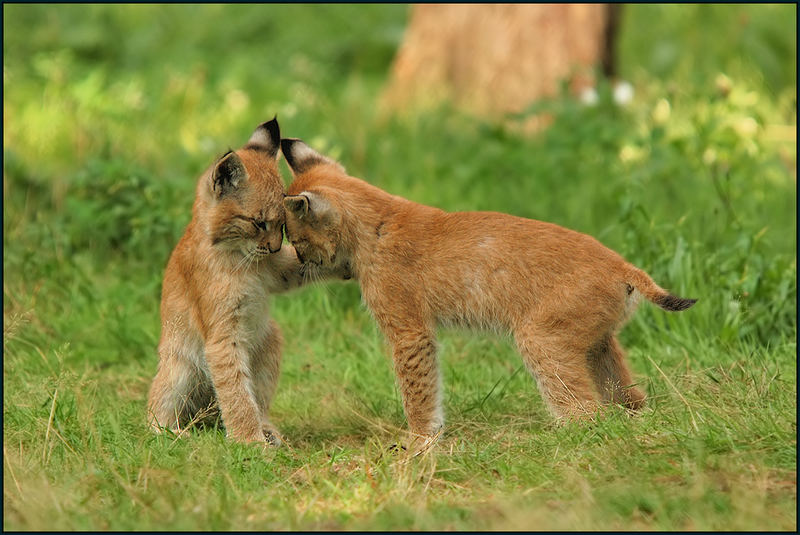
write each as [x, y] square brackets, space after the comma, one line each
[656, 294]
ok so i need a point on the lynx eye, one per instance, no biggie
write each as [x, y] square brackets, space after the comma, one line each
[263, 225]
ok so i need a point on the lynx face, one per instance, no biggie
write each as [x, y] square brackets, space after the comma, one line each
[311, 225]
[247, 215]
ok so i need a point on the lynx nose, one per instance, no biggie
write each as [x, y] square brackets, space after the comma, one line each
[300, 256]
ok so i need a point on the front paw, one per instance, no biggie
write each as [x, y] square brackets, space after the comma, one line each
[272, 435]
[423, 442]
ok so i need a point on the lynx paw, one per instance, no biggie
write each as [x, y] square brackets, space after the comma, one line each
[272, 436]
[635, 399]
[422, 443]
[426, 443]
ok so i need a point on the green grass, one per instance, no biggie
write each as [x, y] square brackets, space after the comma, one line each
[111, 112]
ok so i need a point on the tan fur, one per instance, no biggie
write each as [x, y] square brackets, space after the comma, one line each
[217, 341]
[562, 294]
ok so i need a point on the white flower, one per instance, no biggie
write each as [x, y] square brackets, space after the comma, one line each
[623, 93]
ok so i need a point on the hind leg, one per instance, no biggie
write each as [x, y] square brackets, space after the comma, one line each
[265, 369]
[558, 363]
[180, 395]
[611, 374]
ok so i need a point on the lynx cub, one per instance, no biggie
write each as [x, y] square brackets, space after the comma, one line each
[217, 340]
[562, 294]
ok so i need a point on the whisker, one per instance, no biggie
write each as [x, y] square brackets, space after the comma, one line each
[312, 275]
[236, 268]
[309, 276]
[244, 262]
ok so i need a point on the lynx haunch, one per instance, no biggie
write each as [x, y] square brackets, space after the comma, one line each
[561, 294]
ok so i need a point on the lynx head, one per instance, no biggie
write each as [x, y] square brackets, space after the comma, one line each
[242, 196]
[314, 215]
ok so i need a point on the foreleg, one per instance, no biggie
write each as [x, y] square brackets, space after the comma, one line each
[229, 364]
[265, 368]
[417, 370]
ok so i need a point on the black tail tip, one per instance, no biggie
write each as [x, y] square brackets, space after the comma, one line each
[671, 302]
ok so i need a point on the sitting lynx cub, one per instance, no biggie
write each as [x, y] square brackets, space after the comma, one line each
[560, 293]
[217, 340]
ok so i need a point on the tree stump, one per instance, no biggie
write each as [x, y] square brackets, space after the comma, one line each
[495, 59]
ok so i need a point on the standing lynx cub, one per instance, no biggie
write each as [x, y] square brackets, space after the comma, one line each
[560, 293]
[217, 340]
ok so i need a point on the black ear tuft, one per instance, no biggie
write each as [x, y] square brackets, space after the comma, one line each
[274, 131]
[266, 137]
[228, 174]
[286, 149]
[296, 204]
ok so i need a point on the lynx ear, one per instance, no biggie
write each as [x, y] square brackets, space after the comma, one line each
[267, 138]
[228, 175]
[301, 157]
[296, 204]
[308, 203]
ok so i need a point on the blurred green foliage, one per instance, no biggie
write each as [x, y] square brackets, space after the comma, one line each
[691, 44]
[111, 112]
[120, 128]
